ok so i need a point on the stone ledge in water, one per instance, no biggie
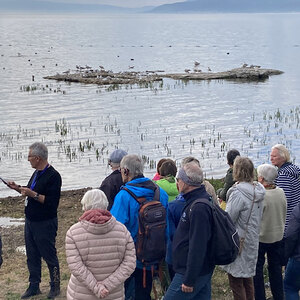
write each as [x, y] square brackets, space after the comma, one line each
[107, 77]
[243, 73]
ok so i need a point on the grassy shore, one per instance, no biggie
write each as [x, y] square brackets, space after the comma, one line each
[14, 274]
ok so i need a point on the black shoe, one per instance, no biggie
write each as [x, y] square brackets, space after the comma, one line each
[54, 291]
[32, 290]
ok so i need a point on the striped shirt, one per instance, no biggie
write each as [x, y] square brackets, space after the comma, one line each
[289, 180]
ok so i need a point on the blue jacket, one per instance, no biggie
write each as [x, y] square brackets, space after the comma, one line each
[292, 235]
[174, 213]
[126, 209]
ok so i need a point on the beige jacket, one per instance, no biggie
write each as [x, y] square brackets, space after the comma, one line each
[99, 255]
[274, 214]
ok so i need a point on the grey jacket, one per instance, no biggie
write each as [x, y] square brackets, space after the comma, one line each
[239, 203]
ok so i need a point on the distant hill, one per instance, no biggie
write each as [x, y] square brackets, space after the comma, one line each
[229, 6]
[48, 6]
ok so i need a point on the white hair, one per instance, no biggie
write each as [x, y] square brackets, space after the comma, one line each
[283, 152]
[93, 199]
[268, 172]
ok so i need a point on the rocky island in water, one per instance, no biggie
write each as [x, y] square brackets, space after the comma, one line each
[104, 77]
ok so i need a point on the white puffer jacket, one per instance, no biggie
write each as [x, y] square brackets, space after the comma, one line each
[97, 255]
[239, 202]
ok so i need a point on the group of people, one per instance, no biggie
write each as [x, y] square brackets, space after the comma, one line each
[103, 248]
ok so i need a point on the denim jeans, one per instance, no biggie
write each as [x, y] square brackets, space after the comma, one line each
[274, 270]
[292, 280]
[202, 289]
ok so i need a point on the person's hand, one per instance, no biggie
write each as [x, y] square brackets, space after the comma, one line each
[103, 292]
[187, 289]
[13, 185]
[25, 191]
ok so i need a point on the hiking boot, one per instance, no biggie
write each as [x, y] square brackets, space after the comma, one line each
[32, 290]
[54, 290]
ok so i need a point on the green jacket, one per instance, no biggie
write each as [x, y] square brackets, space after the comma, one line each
[168, 184]
[228, 183]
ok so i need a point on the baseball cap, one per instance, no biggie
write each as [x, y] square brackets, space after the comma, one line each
[117, 155]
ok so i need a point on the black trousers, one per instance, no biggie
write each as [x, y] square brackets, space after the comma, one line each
[274, 269]
[40, 243]
[134, 289]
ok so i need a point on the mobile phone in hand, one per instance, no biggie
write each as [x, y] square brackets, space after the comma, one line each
[3, 181]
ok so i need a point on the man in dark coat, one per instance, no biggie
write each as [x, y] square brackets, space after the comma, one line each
[112, 183]
[192, 240]
[42, 198]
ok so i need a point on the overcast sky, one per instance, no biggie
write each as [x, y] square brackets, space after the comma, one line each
[122, 3]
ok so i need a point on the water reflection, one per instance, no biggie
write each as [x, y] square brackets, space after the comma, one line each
[177, 119]
[8, 222]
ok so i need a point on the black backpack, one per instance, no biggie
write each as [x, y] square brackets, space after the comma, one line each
[225, 239]
[151, 238]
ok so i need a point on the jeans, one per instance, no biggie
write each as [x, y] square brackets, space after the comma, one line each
[202, 289]
[40, 243]
[292, 280]
[242, 288]
[274, 269]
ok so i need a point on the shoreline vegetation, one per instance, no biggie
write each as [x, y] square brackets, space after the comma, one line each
[14, 273]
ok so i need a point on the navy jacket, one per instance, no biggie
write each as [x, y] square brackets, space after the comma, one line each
[192, 239]
[292, 235]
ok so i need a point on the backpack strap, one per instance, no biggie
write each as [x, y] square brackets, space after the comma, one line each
[201, 200]
[141, 200]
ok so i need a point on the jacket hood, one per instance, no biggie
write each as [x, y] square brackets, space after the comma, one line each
[250, 191]
[97, 216]
[290, 170]
[141, 191]
[168, 185]
[97, 221]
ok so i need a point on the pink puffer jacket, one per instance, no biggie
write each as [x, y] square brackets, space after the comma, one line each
[100, 253]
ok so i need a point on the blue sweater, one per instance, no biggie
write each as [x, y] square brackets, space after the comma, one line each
[174, 213]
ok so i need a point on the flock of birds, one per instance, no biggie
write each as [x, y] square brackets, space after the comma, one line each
[196, 68]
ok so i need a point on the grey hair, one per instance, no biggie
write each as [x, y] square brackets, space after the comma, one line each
[94, 199]
[114, 165]
[39, 149]
[194, 172]
[283, 151]
[189, 159]
[133, 163]
[268, 172]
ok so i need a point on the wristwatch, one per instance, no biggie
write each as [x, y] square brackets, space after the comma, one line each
[36, 197]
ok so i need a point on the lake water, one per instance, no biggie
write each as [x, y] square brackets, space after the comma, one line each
[174, 119]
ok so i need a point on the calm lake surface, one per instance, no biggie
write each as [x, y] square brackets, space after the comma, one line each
[175, 119]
